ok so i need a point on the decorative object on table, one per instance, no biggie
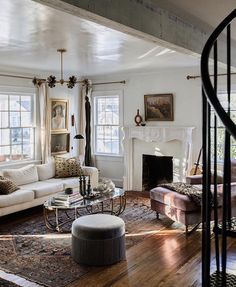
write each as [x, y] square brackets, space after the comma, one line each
[138, 119]
[143, 124]
[158, 107]
[105, 185]
[59, 115]
[68, 190]
[60, 143]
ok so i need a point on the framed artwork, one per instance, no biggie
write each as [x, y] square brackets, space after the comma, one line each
[60, 143]
[59, 115]
[158, 107]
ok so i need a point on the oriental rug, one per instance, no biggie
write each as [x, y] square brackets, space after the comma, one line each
[28, 249]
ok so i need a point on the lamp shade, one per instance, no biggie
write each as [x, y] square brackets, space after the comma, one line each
[79, 137]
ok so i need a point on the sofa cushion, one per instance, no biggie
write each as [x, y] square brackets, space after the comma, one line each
[46, 171]
[24, 175]
[42, 189]
[173, 199]
[72, 182]
[67, 167]
[17, 197]
[7, 186]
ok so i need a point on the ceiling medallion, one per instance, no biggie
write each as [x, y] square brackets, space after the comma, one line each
[51, 80]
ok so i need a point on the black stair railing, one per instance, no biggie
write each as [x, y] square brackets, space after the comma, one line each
[214, 263]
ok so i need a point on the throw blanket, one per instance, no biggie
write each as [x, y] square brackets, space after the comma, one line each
[193, 192]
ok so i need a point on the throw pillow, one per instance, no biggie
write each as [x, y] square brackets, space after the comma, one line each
[67, 167]
[24, 175]
[46, 171]
[7, 186]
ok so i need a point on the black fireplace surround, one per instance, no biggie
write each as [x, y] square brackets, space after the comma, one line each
[156, 170]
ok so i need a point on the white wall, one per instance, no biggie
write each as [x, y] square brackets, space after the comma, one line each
[187, 112]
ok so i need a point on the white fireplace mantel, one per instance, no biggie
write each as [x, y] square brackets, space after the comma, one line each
[154, 134]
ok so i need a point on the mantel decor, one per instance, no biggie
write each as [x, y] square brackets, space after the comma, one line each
[158, 107]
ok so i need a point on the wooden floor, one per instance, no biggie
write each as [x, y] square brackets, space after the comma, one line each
[165, 258]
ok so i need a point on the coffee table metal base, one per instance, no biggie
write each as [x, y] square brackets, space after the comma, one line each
[114, 206]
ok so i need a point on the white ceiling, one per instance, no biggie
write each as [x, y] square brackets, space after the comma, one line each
[30, 34]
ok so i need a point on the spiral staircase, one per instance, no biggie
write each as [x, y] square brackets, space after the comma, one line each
[212, 109]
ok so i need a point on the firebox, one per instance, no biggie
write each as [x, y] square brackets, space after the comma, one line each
[156, 170]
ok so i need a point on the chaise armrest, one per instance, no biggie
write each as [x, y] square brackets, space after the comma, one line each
[194, 179]
[93, 173]
[197, 179]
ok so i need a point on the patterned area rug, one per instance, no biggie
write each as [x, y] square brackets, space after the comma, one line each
[5, 283]
[30, 250]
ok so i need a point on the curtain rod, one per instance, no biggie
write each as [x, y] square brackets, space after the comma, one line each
[30, 78]
[195, 77]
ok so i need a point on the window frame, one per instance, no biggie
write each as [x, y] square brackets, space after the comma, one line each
[20, 91]
[222, 92]
[101, 94]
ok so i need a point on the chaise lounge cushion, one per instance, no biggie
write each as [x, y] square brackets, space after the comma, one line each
[42, 189]
[17, 197]
[174, 199]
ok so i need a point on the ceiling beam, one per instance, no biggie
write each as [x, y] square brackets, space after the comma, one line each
[144, 19]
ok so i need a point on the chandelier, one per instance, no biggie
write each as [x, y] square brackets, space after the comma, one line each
[52, 81]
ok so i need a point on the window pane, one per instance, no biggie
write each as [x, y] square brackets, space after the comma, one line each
[28, 151]
[26, 103]
[28, 135]
[4, 120]
[14, 119]
[115, 147]
[16, 136]
[4, 153]
[115, 133]
[3, 103]
[26, 120]
[16, 152]
[5, 137]
[14, 103]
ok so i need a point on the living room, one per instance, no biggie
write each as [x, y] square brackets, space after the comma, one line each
[126, 58]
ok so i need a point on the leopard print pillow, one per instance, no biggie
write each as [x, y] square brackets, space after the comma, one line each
[67, 167]
[7, 186]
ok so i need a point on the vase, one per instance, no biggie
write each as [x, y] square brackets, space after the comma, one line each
[138, 119]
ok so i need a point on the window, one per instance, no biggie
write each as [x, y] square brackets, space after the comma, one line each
[107, 123]
[17, 131]
[220, 127]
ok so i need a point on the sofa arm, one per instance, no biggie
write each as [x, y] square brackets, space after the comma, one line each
[93, 173]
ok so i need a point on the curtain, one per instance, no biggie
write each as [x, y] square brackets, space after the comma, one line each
[45, 129]
[85, 122]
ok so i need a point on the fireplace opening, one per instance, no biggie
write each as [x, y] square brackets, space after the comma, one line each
[156, 170]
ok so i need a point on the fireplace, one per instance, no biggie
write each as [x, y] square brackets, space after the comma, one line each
[156, 170]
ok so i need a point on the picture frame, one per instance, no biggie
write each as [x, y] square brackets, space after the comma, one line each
[60, 143]
[159, 107]
[59, 115]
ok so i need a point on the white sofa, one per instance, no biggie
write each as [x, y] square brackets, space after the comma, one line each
[37, 183]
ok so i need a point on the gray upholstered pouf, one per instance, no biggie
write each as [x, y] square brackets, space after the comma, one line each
[98, 239]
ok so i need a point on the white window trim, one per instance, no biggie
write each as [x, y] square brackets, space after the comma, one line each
[22, 91]
[121, 118]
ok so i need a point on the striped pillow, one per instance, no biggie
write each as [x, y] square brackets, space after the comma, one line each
[67, 167]
[7, 186]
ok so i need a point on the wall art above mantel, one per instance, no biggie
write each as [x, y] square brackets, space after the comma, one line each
[159, 107]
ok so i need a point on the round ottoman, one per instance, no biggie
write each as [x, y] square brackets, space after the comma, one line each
[98, 239]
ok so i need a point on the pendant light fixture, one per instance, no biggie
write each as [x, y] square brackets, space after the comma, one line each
[52, 81]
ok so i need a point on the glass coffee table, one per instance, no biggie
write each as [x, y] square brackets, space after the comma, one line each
[56, 216]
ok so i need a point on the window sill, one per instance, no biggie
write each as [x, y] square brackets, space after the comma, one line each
[18, 163]
[109, 155]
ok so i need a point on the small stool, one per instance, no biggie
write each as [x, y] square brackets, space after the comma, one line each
[98, 239]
